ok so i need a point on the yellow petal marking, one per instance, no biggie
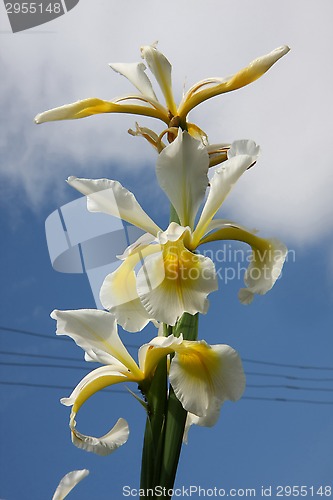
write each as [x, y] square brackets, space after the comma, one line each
[240, 79]
[198, 359]
[93, 106]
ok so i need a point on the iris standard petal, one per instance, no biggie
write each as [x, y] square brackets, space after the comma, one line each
[68, 482]
[161, 69]
[95, 331]
[181, 170]
[135, 73]
[110, 197]
[221, 184]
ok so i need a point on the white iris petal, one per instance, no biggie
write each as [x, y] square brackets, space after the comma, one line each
[68, 482]
[110, 197]
[181, 171]
[135, 73]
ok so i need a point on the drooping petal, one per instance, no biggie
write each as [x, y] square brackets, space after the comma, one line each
[268, 257]
[222, 182]
[211, 87]
[230, 379]
[96, 380]
[161, 69]
[110, 197]
[68, 482]
[93, 382]
[94, 106]
[181, 171]
[135, 73]
[95, 332]
[264, 269]
[201, 374]
[104, 445]
[119, 294]
[175, 280]
[213, 413]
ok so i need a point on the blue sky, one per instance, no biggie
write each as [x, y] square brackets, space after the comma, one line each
[256, 441]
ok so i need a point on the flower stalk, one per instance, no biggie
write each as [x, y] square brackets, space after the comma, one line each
[166, 419]
[153, 442]
[176, 416]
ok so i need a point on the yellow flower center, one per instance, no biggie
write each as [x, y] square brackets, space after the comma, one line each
[179, 263]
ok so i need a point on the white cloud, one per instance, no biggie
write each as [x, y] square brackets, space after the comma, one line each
[287, 111]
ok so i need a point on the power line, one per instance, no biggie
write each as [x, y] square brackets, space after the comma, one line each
[248, 373]
[285, 365]
[245, 360]
[46, 356]
[287, 400]
[123, 391]
[33, 334]
[43, 365]
[42, 335]
[292, 387]
[290, 377]
[86, 368]
[52, 386]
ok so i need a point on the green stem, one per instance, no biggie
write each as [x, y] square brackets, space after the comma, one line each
[176, 415]
[174, 431]
[188, 326]
[155, 427]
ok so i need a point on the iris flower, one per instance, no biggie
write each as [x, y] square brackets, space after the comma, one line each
[145, 102]
[173, 278]
[202, 376]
